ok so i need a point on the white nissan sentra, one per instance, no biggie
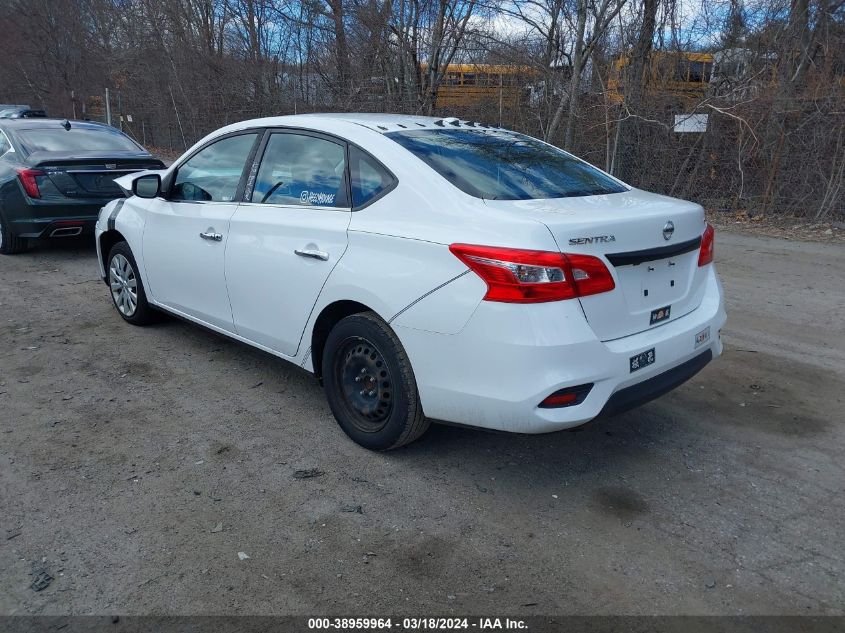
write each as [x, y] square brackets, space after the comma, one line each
[423, 269]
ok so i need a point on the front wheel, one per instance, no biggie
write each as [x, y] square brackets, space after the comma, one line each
[125, 286]
[370, 385]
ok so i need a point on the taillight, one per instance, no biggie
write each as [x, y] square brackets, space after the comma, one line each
[590, 274]
[27, 178]
[523, 276]
[705, 255]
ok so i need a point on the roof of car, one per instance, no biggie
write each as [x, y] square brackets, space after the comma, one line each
[343, 124]
[397, 122]
[382, 123]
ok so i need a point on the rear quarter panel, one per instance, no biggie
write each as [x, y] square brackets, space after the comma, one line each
[398, 260]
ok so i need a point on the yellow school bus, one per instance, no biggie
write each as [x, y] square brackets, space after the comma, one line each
[679, 74]
[466, 85]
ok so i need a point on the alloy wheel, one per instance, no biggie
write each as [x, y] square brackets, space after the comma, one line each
[124, 285]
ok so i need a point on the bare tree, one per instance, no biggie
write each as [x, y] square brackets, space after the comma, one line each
[634, 86]
[592, 20]
[775, 141]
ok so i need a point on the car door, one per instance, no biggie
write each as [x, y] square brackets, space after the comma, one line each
[287, 236]
[187, 230]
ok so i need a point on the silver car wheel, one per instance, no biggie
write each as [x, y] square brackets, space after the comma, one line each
[124, 285]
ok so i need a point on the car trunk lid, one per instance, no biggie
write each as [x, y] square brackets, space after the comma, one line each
[86, 174]
[649, 242]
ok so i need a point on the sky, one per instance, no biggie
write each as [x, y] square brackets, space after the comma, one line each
[691, 16]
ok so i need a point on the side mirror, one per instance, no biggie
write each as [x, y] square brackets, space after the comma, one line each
[148, 186]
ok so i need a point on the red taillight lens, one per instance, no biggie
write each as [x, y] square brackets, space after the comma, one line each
[705, 255]
[30, 185]
[523, 276]
[589, 274]
[566, 397]
[559, 400]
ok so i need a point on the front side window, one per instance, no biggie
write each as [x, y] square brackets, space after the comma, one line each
[502, 165]
[302, 170]
[213, 173]
[369, 178]
[5, 146]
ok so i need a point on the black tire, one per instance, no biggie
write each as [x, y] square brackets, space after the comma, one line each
[10, 244]
[122, 271]
[370, 385]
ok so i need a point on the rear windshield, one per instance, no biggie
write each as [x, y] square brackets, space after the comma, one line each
[502, 165]
[76, 139]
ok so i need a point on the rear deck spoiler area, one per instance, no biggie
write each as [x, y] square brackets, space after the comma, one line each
[126, 159]
[653, 254]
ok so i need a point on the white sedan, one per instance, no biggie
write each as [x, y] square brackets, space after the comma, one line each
[423, 269]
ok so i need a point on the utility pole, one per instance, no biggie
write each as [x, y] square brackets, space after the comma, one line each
[108, 108]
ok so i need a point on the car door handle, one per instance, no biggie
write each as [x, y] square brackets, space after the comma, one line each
[212, 236]
[310, 252]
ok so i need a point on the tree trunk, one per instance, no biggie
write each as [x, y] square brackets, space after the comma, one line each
[341, 48]
[790, 71]
[574, 82]
[634, 86]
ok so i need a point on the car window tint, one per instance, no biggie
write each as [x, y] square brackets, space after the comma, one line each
[214, 172]
[502, 165]
[301, 170]
[369, 178]
[76, 139]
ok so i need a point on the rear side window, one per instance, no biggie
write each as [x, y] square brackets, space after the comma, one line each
[369, 178]
[214, 173]
[302, 170]
[76, 139]
[502, 165]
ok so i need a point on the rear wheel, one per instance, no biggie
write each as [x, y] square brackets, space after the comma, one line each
[10, 243]
[370, 385]
[125, 286]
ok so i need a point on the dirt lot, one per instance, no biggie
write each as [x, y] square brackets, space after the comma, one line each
[123, 450]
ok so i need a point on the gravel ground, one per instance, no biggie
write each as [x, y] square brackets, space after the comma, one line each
[136, 464]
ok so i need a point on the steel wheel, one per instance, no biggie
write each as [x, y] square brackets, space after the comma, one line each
[123, 284]
[364, 377]
[370, 385]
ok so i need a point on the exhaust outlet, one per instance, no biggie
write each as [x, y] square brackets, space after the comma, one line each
[67, 231]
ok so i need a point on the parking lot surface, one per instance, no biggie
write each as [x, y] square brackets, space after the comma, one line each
[170, 470]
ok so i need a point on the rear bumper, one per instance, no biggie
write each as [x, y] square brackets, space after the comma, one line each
[648, 390]
[44, 219]
[56, 227]
[508, 358]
